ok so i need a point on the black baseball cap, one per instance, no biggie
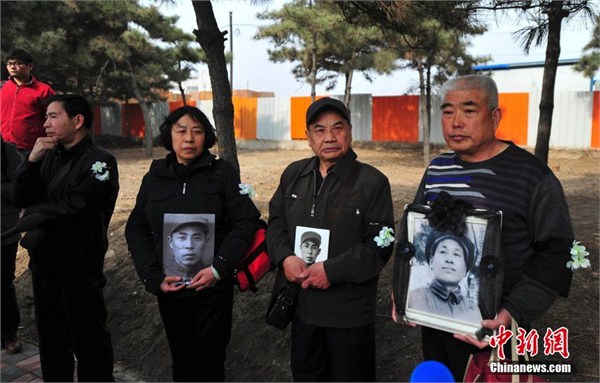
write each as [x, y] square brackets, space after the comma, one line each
[323, 104]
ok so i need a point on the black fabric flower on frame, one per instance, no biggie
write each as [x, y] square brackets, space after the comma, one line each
[448, 214]
[406, 250]
[490, 266]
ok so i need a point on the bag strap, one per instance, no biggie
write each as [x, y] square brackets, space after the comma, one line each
[343, 194]
[514, 327]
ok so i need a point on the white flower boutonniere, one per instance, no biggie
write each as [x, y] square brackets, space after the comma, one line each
[385, 237]
[579, 258]
[100, 171]
[247, 189]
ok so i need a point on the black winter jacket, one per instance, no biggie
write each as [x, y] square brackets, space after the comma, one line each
[77, 204]
[354, 259]
[210, 186]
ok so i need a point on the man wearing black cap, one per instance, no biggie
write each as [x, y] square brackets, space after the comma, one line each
[333, 331]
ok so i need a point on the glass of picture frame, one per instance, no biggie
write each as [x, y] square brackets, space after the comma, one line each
[449, 280]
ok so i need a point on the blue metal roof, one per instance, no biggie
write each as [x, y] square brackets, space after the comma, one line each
[532, 64]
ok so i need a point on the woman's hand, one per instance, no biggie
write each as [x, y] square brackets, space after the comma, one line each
[203, 280]
[169, 284]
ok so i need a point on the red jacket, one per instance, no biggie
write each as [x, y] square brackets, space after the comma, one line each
[22, 111]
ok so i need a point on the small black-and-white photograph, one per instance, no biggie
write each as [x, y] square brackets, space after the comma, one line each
[188, 244]
[444, 278]
[311, 244]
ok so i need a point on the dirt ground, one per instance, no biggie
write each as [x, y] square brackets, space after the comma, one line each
[258, 352]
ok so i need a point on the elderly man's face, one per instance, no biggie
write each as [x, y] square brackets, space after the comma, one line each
[448, 262]
[329, 136]
[469, 126]
[188, 244]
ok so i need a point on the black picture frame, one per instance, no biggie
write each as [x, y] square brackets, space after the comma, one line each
[421, 292]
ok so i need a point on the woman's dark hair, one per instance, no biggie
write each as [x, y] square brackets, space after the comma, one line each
[74, 104]
[196, 114]
[435, 237]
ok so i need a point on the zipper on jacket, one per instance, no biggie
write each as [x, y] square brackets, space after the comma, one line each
[316, 194]
[184, 187]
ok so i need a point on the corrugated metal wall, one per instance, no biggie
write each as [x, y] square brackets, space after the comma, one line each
[360, 115]
[576, 118]
[273, 119]
[572, 120]
[396, 118]
[110, 119]
[206, 106]
[515, 113]
[298, 108]
[244, 117]
[435, 135]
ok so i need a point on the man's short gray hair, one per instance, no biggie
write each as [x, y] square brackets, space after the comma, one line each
[473, 81]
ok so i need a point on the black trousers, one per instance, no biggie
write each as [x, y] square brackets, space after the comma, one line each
[321, 354]
[441, 346]
[10, 310]
[198, 330]
[71, 321]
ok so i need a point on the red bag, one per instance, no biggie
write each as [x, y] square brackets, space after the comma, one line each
[478, 370]
[255, 263]
[478, 367]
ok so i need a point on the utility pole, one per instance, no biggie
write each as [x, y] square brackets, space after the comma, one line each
[231, 50]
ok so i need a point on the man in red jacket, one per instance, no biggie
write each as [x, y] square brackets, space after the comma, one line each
[22, 102]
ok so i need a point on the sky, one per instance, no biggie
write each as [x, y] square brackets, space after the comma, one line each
[253, 70]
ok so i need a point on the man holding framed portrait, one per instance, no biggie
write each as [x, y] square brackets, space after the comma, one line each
[484, 172]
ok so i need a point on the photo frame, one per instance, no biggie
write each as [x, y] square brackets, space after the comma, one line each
[319, 241]
[188, 244]
[449, 279]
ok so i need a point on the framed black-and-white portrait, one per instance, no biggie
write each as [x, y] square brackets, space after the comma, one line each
[188, 244]
[454, 278]
[311, 244]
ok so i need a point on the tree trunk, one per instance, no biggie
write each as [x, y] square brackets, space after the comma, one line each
[127, 122]
[212, 41]
[426, 152]
[348, 88]
[182, 91]
[180, 84]
[313, 69]
[423, 111]
[148, 136]
[555, 16]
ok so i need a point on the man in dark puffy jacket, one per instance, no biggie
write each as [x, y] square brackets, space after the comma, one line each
[73, 185]
[333, 332]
